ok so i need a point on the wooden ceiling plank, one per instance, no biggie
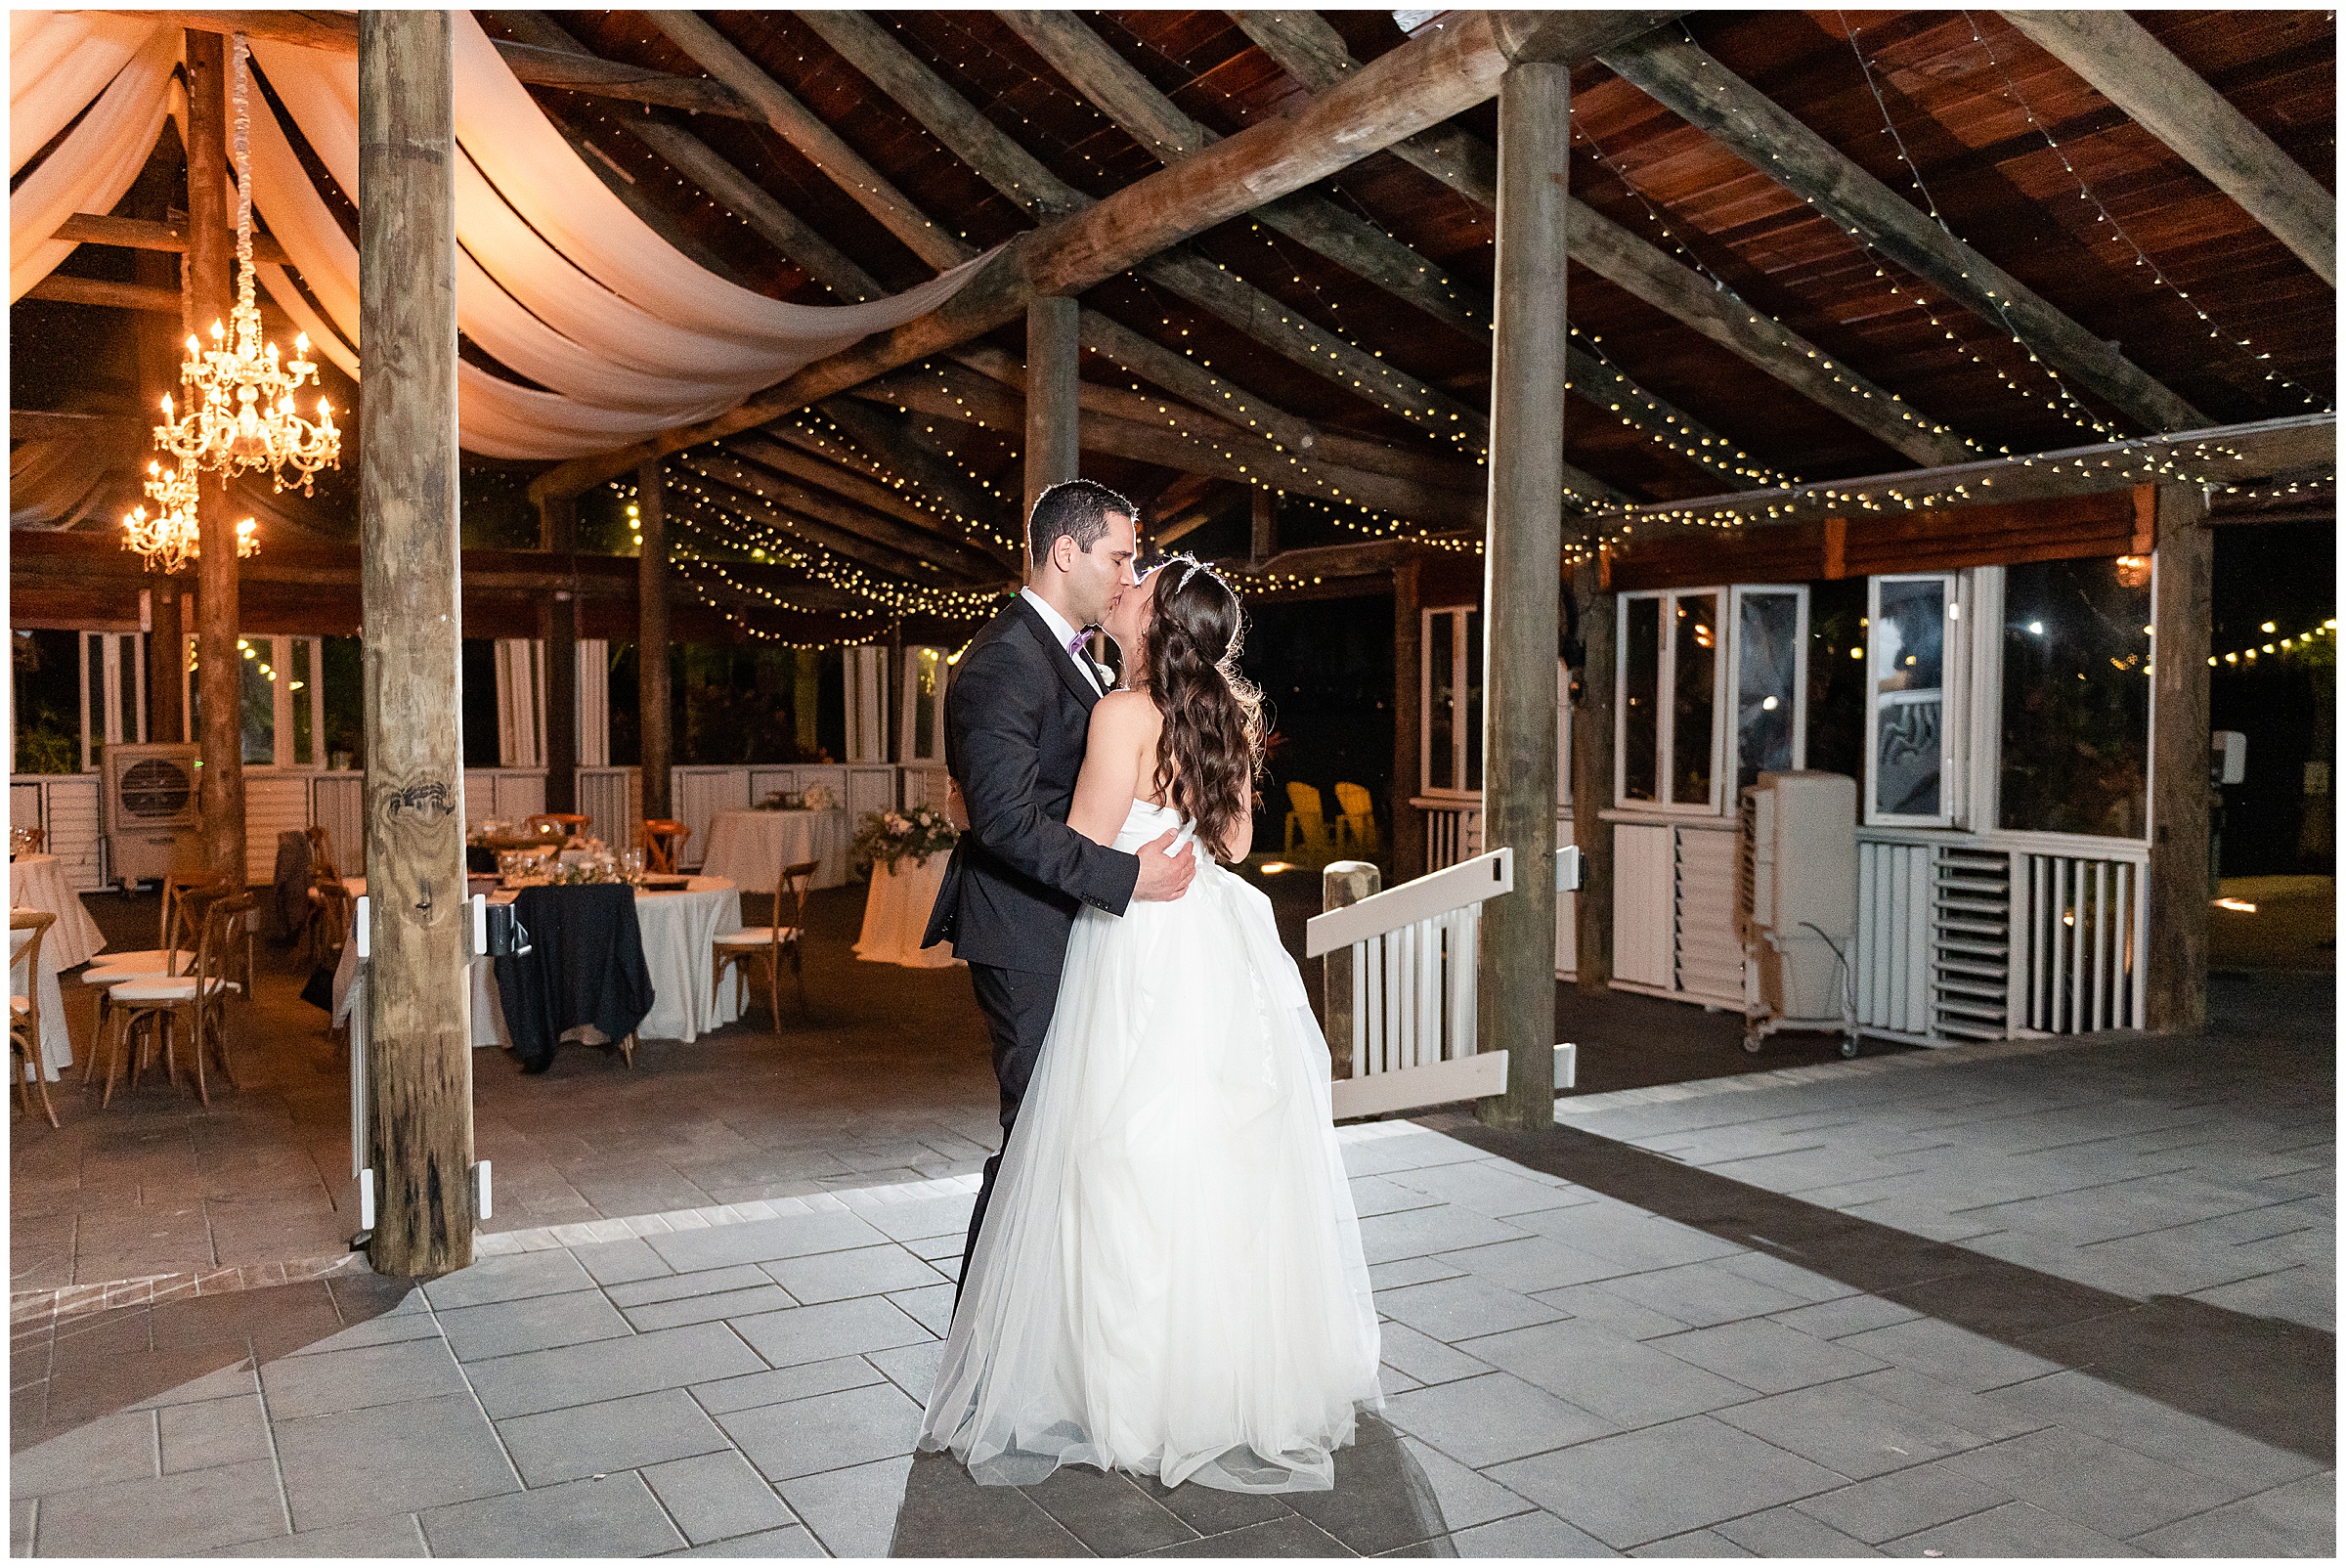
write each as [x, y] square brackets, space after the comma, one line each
[1308, 49]
[146, 234]
[2120, 59]
[1420, 85]
[70, 291]
[1686, 79]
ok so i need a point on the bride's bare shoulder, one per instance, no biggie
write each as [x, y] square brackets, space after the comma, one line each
[1126, 713]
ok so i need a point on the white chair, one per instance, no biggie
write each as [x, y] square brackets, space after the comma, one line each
[200, 998]
[766, 945]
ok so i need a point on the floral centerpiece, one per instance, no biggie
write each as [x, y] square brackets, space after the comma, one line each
[889, 837]
[819, 797]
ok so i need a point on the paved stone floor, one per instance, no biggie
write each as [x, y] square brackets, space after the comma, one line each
[2041, 1301]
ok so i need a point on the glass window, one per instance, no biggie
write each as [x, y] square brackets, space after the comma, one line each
[1694, 676]
[1836, 679]
[48, 732]
[928, 693]
[1767, 689]
[259, 691]
[1906, 655]
[478, 667]
[2076, 698]
[1441, 699]
[1641, 700]
[1473, 725]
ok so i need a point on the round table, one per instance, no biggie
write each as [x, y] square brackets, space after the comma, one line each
[679, 938]
[38, 881]
[56, 1042]
[753, 846]
[895, 914]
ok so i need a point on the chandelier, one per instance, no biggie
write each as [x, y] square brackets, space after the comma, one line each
[169, 539]
[240, 412]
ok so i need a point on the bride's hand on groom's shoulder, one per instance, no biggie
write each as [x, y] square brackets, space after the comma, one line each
[957, 809]
[1164, 876]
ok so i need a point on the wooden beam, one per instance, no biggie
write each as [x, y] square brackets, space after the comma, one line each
[2234, 456]
[2120, 59]
[419, 1045]
[39, 424]
[70, 291]
[1683, 79]
[652, 689]
[146, 234]
[917, 470]
[1312, 51]
[1520, 589]
[1419, 84]
[826, 473]
[2175, 989]
[761, 497]
[954, 553]
[1194, 384]
[336, 32]
[1051, 446]
[1262, 537]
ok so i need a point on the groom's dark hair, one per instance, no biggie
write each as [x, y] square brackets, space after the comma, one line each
[1076, 507]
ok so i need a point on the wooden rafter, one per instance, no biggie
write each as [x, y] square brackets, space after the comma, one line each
[2119, 59]
[899, 448]
[1418, 85]
[1686, 79]
[902, 540]
[741, 489]
[1309, 50]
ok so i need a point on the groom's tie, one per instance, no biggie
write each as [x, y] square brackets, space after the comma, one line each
[1077, 651]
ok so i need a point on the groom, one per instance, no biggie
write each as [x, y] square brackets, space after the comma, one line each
[1016, 717]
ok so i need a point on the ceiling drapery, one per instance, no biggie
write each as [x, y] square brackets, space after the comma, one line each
[556, 278]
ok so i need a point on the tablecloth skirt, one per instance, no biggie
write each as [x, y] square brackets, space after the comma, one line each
[56, 1042]
[895, 914]
[38, 881]
[751, 848]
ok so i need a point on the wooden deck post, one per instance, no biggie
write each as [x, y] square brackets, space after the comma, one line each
[166, 659]
[1520, 589]
[1408, 845]
[1052, 352]
[651, 643]
[211, 288]
[2175, 998]
[558, 628]
[419, 1037]
[1262, 540]
[1592, 779]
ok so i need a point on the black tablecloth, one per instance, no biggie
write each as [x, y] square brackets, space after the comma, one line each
[584, 966]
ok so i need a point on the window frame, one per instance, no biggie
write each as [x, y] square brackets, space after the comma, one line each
[909, 740]
[1666, 699]
[1732, 685]
[280, 655]
[1958, 765]
[108, 724]
[1460, 707]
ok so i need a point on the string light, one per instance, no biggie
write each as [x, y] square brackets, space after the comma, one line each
[2298, 644]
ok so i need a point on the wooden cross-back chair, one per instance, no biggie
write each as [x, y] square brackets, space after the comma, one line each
[185, 895]
[663, 844]
[572, 823]
[198, 998]
[765, 945]
[24, 1011]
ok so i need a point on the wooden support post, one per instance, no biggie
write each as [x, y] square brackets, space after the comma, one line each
[558, 629]
[1052, 431]
[651, 639]
[1519, 593]
[2176, 992]
[1344, 883]
[420, 1035]
[1592, 778]
[1408, 844]
[1263, 540]
[166, 662]
[211, 288]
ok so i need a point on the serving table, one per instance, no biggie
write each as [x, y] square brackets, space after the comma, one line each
[895, 914]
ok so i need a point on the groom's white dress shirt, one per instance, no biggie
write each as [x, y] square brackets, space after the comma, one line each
[1066, 633]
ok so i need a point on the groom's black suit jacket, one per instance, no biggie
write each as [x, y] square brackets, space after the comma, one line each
[1016, 717]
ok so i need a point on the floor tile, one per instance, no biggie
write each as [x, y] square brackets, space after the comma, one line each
[911, 1367]
[853, 1511]
[1111, 1515]
[1494, 1188]
[582, 1374]
[835, 1328]
[1537, 1534]
[1483, 1421]
[2297, 1520]
[1607, 1487]
[1534, 1263]
[1290, 1537]
[2013, 1529]
[857, 1271]
[166, 1516]
[1954, 1355]
[217, 1431]
[508, 1278]
[1424, 1358]
[791, 1541]
[2079, 1477]
[1451, 1310]
[931, 1306]
[2086, 1403]
[1629, 1384]
[1842, 1429]
[1831, 1319]
[1700, 1295]
[1417, 1231]
[122, 1446]
[395, 1535]
[1787, 1532]
[614, 1517]
[1693, 1544]
[354, 1379]
[665, 1287]
[1901, 1503]
[714, 1497]
[709, 1308]
[1464, 1497]
[787, 1383]
[389, 1459]
[762, 1240]
[533, 1323]
[617, 1262]
[825, 1432]
[1766, 1356]
[619, 1434]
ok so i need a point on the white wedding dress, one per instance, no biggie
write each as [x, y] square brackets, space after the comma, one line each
[1169, 1279]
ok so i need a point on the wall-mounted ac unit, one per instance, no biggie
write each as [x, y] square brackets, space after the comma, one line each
[150, 811]
[1797, 884]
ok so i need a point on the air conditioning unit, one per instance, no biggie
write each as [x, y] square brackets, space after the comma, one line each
[1797, 888]
[150, 811]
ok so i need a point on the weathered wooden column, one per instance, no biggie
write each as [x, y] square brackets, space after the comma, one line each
[1408, 849]
[211, 290]
[651, 641]
[558, 629]
[1262, 538]
[1518, 982]
[1052, 351]
[2175, 997]
[419, 1036]
[166, 662]
[1592, 779]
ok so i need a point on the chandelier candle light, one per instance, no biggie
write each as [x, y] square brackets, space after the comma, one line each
[240, 412]
[171, 539]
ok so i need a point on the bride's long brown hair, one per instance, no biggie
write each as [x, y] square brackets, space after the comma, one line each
[1211, 745]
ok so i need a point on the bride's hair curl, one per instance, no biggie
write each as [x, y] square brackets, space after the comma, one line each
[1211, 745]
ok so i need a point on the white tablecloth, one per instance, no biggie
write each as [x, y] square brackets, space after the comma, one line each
[753, 846]
[895, 913]
[57, 1045]
[38, 881]
[680, 934]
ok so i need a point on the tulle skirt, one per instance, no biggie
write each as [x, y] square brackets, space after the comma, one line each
[1169, 1281]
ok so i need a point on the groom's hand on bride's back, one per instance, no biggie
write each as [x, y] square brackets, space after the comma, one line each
[1163, 876]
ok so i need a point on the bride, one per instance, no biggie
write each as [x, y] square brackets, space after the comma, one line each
[1169, 1279]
